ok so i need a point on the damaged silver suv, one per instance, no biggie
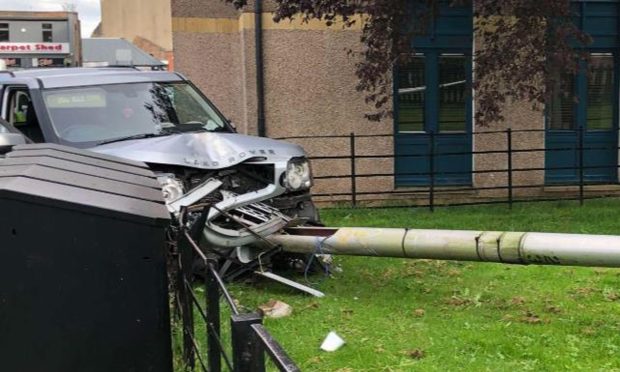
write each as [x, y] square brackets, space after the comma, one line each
[253, 186]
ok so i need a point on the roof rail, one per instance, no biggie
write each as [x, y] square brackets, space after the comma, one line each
[137, 67]
[7, 72]
[133, 67]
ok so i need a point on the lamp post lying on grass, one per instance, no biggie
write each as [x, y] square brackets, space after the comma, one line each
[460, 245]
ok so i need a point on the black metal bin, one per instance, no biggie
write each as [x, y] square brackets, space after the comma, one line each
[83, 283]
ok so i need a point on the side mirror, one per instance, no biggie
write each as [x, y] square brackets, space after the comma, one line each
[8, 140]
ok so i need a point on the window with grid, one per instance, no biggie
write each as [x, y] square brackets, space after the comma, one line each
[600, 93]
[442, 78]
[411, 93]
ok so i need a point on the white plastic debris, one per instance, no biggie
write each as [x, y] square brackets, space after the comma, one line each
[332, 342]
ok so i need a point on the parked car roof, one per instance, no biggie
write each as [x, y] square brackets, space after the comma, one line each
[75, 77]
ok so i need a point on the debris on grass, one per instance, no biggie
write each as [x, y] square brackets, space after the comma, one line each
[500, 304]
[465, 300]
[332, 342]
[415, 353]
[454, 272]
[388, 274]
[518, 300]
[415, 273]
[610, 294]
[531, 318]
[463, 297]
[582, 292]
[312, 305]
[588, 331]
[275, 309]
[419, 312]
[553, 309]
[458, 301]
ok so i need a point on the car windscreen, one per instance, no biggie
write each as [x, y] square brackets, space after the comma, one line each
[94, 114]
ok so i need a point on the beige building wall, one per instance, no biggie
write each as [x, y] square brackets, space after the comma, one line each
[146, 23]
[212, 55]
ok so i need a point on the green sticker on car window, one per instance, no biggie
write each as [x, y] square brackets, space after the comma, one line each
[77, 99]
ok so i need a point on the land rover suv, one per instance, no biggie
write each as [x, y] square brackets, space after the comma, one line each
[254, 185]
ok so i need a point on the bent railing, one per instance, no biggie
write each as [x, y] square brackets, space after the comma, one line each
[249, 339]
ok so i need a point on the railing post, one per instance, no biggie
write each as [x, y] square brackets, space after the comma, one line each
[248, 352]
[509, 141]
[187, 308]
[213, 318]
[431, 168]
[353, 181]
[581, 135]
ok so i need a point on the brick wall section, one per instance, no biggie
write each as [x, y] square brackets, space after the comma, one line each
[151, 48]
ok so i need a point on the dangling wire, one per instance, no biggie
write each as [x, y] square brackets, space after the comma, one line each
[318, 249]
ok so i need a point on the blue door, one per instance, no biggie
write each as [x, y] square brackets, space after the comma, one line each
[584, 107]
[433, 103]
[593, 116]
[434, 110]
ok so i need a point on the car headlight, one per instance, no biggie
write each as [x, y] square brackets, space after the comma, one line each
[171, 187]
[298, 175]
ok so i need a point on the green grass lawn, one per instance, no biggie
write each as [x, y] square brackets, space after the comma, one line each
[402, 315]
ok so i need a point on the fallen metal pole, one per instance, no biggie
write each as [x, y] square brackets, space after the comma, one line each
[460, 245]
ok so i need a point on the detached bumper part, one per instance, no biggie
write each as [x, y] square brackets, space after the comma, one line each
[248, 220]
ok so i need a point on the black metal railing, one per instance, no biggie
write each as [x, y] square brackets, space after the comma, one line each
[348, 148]
[249, 339]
